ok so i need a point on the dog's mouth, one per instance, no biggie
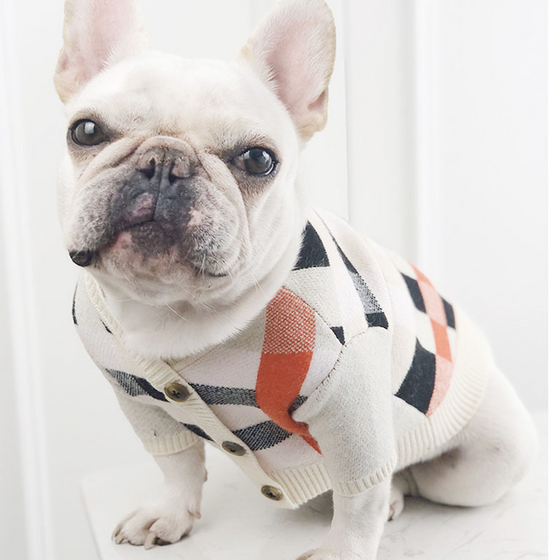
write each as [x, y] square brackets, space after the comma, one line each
[149, 240]
[201, 272]
[89, 257]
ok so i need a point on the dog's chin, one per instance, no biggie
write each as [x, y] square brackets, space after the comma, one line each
[157, 272]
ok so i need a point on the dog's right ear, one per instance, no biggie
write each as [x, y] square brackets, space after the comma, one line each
[97, 33]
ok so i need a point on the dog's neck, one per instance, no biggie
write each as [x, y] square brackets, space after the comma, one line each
[180, 330]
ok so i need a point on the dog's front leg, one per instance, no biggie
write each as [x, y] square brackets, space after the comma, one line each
[357, 526]
[350, 417]
[169, 516]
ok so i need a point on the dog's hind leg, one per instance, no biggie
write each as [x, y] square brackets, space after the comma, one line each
[400, 487]
[488, 457]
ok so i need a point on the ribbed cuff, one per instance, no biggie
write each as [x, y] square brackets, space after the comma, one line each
[305, 483]
[354, 487]
[171, 444]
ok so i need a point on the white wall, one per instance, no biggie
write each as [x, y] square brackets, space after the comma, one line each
[12, 519]
[481, 173]
[493, 165]
[380, 110]
[445, 106]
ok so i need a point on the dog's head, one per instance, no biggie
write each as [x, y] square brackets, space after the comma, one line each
[180, 177]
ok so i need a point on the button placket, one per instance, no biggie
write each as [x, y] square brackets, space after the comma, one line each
[183, 395]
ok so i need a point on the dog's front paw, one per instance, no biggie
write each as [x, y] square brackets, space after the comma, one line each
[163, 521]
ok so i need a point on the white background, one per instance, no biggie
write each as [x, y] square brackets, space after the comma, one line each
[436, 147]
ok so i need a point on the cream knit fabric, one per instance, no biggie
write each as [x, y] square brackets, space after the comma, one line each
[356, 367]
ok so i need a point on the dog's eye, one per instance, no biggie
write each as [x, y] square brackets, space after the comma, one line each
[256, 161]
[87, 133]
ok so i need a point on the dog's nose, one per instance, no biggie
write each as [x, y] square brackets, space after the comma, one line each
[159, 184]
[163, 166]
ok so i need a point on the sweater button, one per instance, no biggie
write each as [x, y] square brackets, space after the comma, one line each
[176, 392]
[233, 448]
[272, 493]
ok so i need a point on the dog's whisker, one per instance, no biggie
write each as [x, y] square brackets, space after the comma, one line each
[176, 313]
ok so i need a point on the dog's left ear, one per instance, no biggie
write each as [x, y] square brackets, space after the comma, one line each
[97, 33]
[293, 51]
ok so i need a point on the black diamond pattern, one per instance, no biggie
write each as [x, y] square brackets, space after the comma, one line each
[418, 385]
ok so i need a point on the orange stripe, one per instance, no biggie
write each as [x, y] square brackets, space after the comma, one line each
[421, 276]
[442, 340]
[444, 372]
[288, 345]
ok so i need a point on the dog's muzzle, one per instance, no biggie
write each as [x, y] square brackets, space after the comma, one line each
[158, 194]
[157, 191]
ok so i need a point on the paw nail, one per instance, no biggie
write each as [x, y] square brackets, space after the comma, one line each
[150, 541]
[116, 532]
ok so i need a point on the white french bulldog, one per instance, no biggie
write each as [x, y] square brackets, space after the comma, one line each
[179, 195]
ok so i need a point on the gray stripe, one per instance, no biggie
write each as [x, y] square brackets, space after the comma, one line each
[127, 382]
[225, 395]
[300, 399]
[262, 436]
[135, 386]
[197, 430]
[368, 300]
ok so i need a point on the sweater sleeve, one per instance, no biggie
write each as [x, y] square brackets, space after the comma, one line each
[160, 433]
[350, 414]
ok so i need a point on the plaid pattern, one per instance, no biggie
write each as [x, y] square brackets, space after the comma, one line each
[284, 347]
[327, 279]
[430, 372]
[289, 343]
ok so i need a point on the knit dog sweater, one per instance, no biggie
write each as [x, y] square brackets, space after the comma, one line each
[355, 368]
